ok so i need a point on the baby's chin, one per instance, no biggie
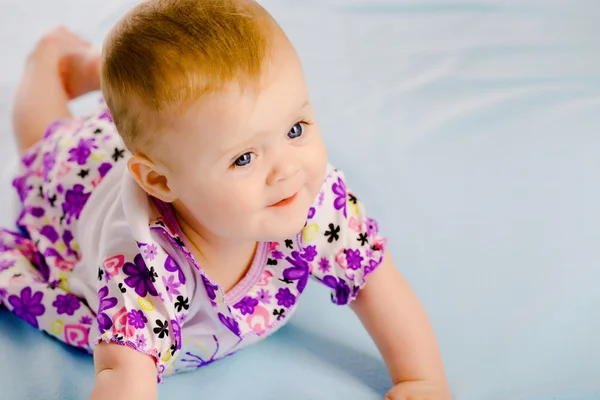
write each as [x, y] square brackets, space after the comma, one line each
[281, 234]
[279, 231]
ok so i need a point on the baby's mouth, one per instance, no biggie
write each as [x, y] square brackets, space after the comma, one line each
[285, 202]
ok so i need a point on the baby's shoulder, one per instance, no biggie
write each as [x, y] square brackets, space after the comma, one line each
[331, 202]
[338, 220]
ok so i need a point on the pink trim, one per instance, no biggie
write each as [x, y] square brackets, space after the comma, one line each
[153, 354]
[353, 297]
[237, 292]
[242, 288]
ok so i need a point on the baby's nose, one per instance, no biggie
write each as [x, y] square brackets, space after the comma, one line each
[282, 172]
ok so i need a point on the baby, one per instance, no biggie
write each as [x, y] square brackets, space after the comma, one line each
[190, 209]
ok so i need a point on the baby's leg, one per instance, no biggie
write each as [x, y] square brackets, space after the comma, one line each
[44, 304]
[60, 68]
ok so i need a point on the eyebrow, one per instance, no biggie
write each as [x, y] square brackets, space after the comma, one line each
[233, 148]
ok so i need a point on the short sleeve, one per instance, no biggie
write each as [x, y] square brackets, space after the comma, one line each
[142, 303]
[341, 242]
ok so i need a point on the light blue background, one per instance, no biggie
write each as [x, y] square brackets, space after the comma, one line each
[471, 130]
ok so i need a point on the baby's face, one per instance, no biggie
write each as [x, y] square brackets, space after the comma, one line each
[249, 163]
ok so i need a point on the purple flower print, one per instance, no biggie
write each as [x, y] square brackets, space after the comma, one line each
[28, 307]
[106, 115]
[310, 253]
[85, 320]
[321, 197]
[311, 212]
[285, 298]
[48, 162]
[6, 264]
[230, 323]
[298, 272]
[246, 305]
[342, 290]
[276, 254]
[171, 286]
[28, 159]
[66, 304]
[354, 258]
[20, 240]
[21, 185]
[106, 303]
[372, 227]
[371, 267]
[339, 189]
[137, 319]
[104, 168]
[139, 277]
[75, 199]
[210, 288]
[171, 266]
[50, 233]
[37, 212]
[82, 152]
[176, 329]
[54, 284]
[324, 265]
[40, 262]
[140, 342]
[150, 251]
[53, 127]
[68, 238]
[52, 252]
[264, 296]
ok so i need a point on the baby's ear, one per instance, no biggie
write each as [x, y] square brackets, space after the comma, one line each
[151, 178]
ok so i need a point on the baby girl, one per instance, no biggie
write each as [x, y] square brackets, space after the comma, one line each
[189, 210]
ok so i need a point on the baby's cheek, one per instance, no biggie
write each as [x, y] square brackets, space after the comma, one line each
[320, 162]
[319, 169]
[233, 208]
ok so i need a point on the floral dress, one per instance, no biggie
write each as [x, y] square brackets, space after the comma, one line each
[95, 259]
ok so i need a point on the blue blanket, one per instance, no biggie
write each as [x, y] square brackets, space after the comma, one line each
[472, 131]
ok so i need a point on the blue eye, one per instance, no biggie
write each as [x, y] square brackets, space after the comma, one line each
[296, 131]
[243, 160]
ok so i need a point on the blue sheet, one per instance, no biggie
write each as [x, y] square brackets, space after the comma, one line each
[472, 131]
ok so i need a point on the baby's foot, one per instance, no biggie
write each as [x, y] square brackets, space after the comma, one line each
[80, 71]
[77, 61]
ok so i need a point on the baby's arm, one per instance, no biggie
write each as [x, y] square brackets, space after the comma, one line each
[123, 373]
[397, 322]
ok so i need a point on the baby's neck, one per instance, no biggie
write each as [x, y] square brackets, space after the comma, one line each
[224, 261]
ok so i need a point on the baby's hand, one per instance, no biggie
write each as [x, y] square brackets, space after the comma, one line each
[419, 390]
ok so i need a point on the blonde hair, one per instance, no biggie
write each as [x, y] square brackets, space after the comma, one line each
[165, 54]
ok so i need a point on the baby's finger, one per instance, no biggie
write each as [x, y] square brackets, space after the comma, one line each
[398, 392]
[414, 392]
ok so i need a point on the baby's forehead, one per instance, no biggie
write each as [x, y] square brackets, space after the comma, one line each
[262, 104]
[221, 121]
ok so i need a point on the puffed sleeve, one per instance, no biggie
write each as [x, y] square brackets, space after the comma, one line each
[142, 302]
[341, 242]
